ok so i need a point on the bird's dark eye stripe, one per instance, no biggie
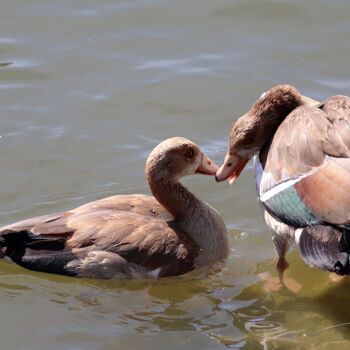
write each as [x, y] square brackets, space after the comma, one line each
[229, 164]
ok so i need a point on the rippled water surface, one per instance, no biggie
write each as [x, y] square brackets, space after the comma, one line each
[87, 89]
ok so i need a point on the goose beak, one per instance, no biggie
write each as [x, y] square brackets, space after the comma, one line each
[207, 166]
[232, 167]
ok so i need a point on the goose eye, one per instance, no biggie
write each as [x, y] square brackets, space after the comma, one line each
[189, 153]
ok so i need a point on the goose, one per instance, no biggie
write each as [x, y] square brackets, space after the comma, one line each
[129, 236]
[302, 171]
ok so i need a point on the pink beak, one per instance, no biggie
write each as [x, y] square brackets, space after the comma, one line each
[231, 169]
[207, 166]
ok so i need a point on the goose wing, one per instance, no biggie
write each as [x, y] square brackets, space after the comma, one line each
[305, 170]
[49, 243]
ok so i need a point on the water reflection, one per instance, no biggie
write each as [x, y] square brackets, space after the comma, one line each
[225, 309]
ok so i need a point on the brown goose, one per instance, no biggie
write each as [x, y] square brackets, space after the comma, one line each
[302, 172]
[129, 236]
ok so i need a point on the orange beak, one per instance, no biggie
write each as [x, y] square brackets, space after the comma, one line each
[231, 169]
[207, 166]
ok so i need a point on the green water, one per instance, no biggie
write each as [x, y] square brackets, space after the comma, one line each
[87, 89]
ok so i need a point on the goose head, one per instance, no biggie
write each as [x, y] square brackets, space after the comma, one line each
[254, 129]
[175, 158]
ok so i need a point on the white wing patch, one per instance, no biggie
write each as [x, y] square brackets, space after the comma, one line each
[279, 188]
[297, 235]
[265, 180]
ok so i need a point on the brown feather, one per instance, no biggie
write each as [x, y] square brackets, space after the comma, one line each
[327, 192]
[301, 143]
[130, 234]
[305, 144]
[134, 203]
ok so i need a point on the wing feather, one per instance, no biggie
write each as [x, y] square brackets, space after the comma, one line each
[136, 228]
[311, 147]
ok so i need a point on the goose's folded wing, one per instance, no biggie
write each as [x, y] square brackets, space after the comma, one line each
[39, 243]
[135, 203]
[147, 241]
[54, 225]
[49, 242]
[306, 169]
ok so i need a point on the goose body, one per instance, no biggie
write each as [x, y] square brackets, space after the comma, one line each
[302, 171]
[128, 236]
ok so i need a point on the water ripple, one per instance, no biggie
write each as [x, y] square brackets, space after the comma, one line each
[7, 40]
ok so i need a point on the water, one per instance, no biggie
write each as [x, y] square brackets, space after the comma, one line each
[87, 89]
